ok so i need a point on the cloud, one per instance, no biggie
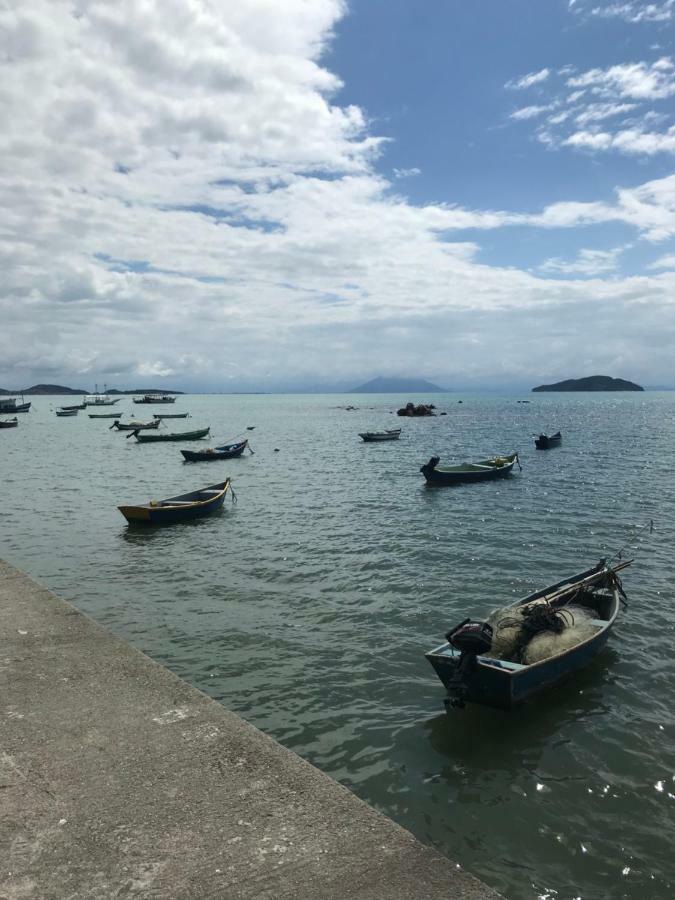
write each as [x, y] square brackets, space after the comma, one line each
[607, 110]
[528, 80]
[664, 262]
[634, 12]
[528, 112]
[406, 173]
[588, 263]
[181, 186]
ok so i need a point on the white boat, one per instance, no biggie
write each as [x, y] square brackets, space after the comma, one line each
[97, 399]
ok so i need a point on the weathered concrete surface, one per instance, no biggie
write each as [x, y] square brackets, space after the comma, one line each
[118, 779]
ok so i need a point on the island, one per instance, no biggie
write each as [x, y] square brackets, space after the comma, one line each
[398, 386]
[592, 383]
[46, 390]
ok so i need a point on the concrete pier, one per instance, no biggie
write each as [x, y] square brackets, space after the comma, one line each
[117, 780]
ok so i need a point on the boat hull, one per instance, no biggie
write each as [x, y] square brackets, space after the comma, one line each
[8, 406]
[9, 423]
[372, 437]
[544, 442]
[186, 436]
[456, 475]
[187, 507]
[504, 684]
[206, 456]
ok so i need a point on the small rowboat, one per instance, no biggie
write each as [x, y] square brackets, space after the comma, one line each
[228, 451]
[372, 436]
[495, 467]
[9, 423]
[184, 436]
[470, 674]
[105, 415]
[66, 412]
[178, 509]
[544, 442]
[134, 426]
[171, 416]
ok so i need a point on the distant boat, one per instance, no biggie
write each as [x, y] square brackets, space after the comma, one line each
[78, 406]
[171, 415]
[471, 675]
[227, 451]
[155, 398]
[495, 467]
[178, 509]
[544, 442]
[9, 423]
[100, 400]
[105, 415]
[12, 405]
[135, 426]
[371, 436]
[183, 436]
[66, 412]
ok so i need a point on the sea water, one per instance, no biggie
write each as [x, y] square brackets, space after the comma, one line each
[307, 606]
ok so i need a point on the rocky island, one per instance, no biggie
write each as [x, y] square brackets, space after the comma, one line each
[592, 383]
[397, 386]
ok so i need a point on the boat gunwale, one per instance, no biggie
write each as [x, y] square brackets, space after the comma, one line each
[481, 659]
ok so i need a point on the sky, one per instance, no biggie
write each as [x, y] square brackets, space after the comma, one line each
[307, 194]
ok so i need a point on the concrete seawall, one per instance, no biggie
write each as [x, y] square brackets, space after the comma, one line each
[117, 779]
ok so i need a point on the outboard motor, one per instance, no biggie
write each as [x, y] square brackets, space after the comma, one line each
[471, 639]
[431, 465]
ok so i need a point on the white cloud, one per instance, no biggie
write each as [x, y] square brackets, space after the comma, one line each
[588, 263]
[406, 173]
[664, 262]
[529, 80]
[636, 81]
[634, 12]
[179, 186]
[528, 112]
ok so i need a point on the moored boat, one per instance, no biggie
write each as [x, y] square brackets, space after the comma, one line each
[155, 398]
[227, 451]
[78, 406]
[192, 505]
[180, 436]
[12, 405]
[135, 426]
[474, 671]
[9, 423]
[63, 413]
[545, 441]
[484, 469]
[371, 437]
[171, 415]
[105, 415]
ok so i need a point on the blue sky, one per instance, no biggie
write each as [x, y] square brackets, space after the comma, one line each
[261, 195]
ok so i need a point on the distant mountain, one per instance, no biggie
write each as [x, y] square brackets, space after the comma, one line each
[143, 391]
[397, 386]
[44, 389]
[592, 383]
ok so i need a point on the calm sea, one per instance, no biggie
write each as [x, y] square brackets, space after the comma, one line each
[308, 605]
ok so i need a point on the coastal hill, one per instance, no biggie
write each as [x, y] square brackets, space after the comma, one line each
[45, 390]
[55, 389]
[397, 386]
[592, 383]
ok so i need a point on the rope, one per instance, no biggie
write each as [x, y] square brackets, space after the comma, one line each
[636, 529]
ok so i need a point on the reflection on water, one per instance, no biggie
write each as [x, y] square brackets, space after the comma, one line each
[308, 606]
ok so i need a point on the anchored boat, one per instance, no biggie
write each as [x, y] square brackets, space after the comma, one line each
[135, 426]
[495, 467]
[182, 436]
[9, 423]
[155, 398]
[545, 441]
[227, 451]
[12, 405]
[192, 505]
[533, 644]
[371, 437]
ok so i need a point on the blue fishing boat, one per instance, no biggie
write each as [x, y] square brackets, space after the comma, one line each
[227, 451]
[469, 667]
[546, 441]
[192, 505]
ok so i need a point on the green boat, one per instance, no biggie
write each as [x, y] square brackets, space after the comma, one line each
[485, 469]
[181, 436]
